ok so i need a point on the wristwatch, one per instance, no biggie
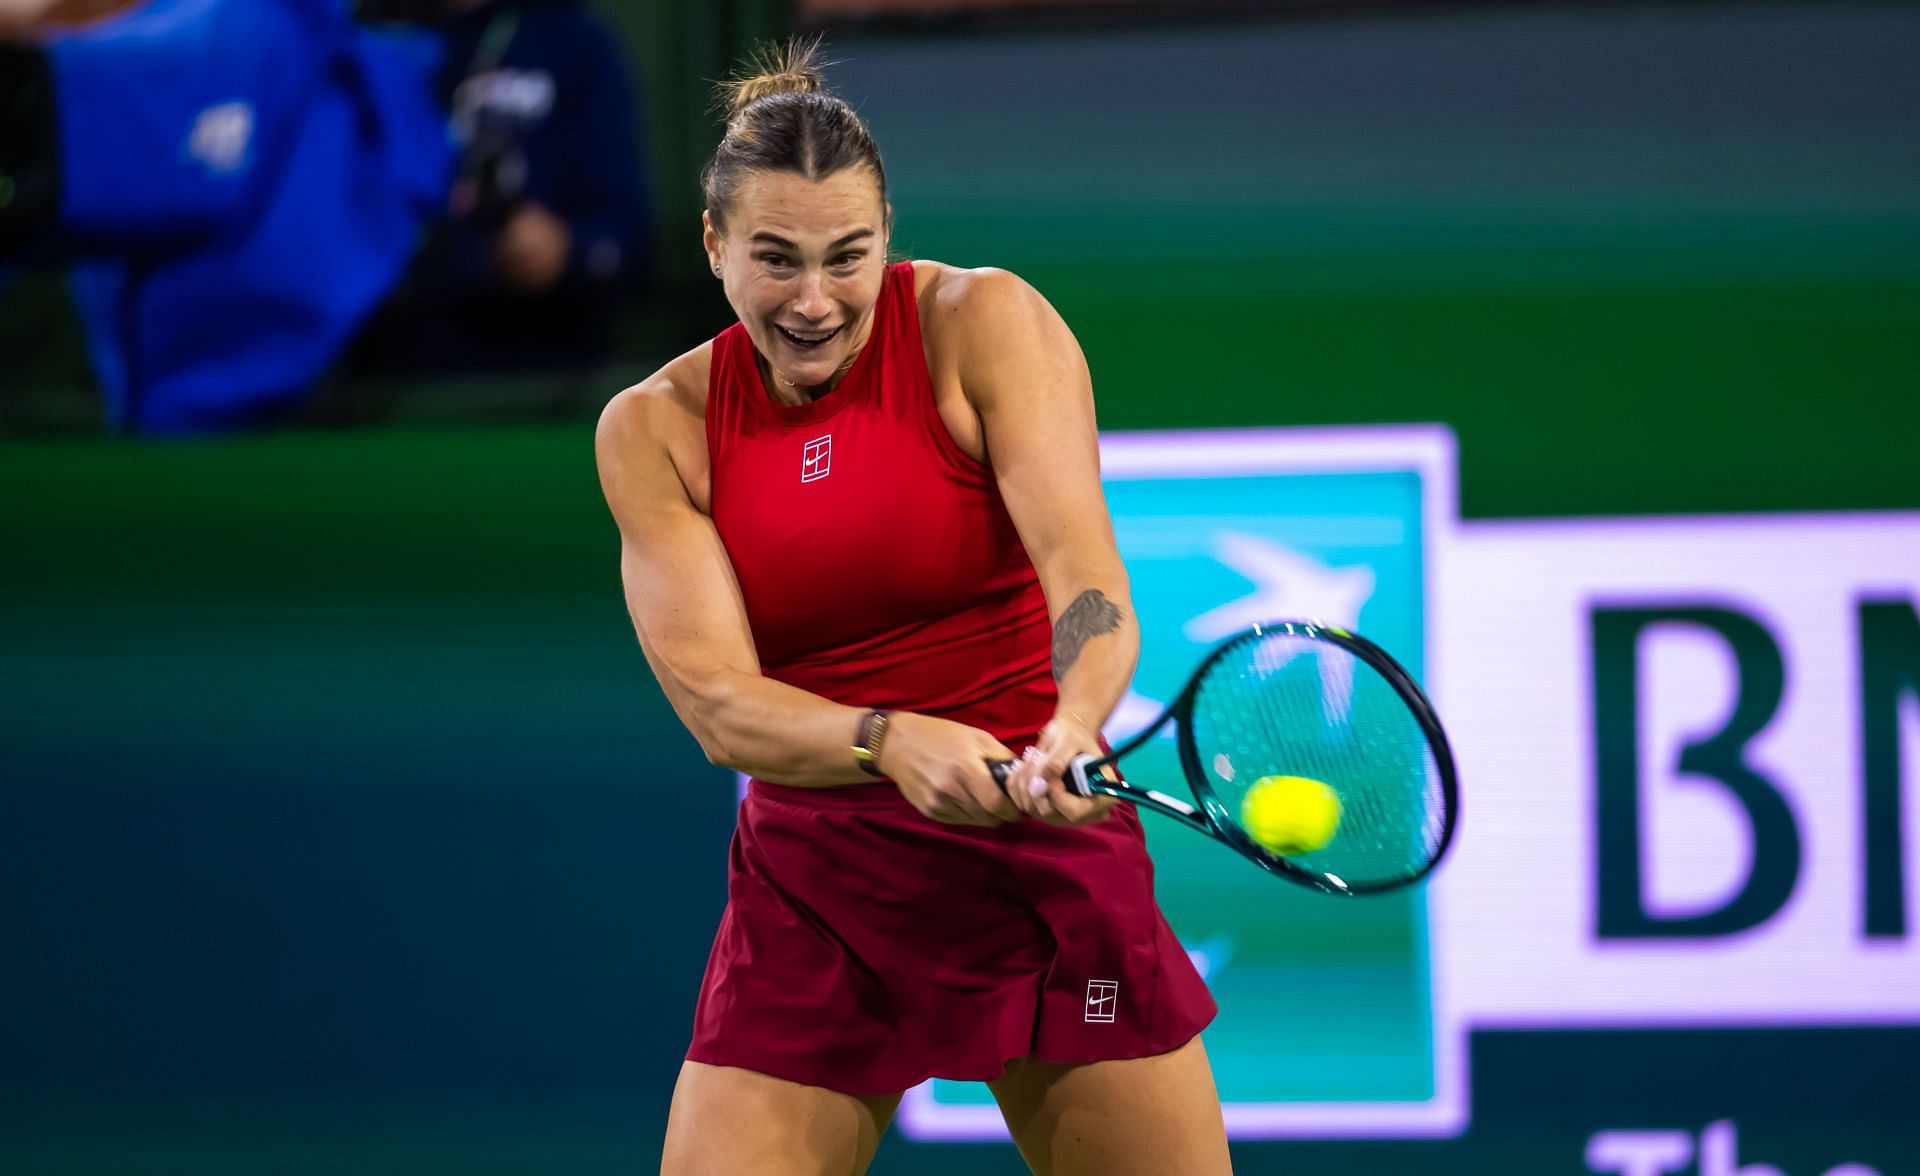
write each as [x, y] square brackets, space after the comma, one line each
[867, 738]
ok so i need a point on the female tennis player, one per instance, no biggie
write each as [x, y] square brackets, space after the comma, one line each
[866, 552]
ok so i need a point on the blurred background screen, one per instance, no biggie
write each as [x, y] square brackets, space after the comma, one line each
[1571, 350]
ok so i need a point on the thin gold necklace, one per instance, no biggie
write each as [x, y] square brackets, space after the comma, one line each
[774, 373]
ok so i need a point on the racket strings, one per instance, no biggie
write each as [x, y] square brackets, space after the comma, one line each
[1286, 705]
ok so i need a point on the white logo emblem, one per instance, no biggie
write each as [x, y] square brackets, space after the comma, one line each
[1103, 996]
[1287, 584]
[221, 135]
[816, 459]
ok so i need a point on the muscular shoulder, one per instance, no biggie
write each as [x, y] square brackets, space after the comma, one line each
[676, 391]
[660, 418]
[966, 306]
[991, 332]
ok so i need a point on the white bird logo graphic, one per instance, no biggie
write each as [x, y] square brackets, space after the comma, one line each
[1288, 586]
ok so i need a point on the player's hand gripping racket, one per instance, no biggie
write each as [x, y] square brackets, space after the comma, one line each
[1309, 751]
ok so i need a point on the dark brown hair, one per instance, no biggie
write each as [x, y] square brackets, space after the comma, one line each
[782, 117]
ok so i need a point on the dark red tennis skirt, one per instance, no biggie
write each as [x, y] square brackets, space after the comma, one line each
[866, 948]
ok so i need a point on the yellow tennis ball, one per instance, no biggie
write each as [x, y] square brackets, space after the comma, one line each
[1290, 814]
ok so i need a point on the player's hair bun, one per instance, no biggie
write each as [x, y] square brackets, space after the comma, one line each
[782, 118]
[792, 68]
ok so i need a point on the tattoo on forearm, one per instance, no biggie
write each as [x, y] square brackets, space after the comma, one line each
[1090, 615]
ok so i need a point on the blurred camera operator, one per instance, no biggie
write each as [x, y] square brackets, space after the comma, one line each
[547, 224]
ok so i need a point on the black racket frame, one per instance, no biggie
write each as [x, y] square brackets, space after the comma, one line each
[1212, 817]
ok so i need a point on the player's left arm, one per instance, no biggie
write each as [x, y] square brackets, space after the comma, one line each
[1025, 375]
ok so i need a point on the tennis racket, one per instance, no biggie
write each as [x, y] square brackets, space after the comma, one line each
[1296, 699]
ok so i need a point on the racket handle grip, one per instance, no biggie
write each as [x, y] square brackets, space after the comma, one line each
[1076, 774]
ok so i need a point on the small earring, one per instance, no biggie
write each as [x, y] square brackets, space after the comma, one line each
[716, 271]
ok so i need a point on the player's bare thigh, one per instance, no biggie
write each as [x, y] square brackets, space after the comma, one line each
[727, 1121]
[1137, 1117]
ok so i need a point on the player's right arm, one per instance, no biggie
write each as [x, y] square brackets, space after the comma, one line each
[691, 620]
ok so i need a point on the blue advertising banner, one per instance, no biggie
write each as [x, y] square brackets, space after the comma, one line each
[1220, 531]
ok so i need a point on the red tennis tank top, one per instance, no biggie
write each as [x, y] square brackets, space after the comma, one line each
[877, 561]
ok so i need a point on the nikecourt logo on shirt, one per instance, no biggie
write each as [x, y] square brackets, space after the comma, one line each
[1103, 996]
[816, 460]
